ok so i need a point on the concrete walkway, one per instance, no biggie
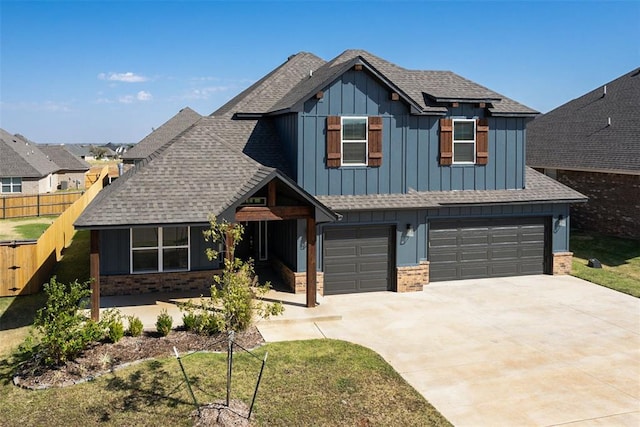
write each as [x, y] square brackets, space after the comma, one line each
[535, 350]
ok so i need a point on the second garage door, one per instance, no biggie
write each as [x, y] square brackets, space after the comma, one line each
[470, 249]
[357, 259]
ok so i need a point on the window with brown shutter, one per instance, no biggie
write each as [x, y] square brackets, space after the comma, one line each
[375, 141]
[464, 141]
[334, 139]
[354, 141]
[482, 141]
[446, 142]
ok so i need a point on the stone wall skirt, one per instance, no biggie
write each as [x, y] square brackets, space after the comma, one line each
[132, 284]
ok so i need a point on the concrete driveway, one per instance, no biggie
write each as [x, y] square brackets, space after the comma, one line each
[535, 350]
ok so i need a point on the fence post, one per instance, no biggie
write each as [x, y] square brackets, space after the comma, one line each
[38, 204]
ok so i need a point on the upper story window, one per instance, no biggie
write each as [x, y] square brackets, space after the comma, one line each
[158, 249]
[464, 141]
[12, 185]
[354, 141]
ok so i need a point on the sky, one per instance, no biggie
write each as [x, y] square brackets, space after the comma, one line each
[98, 72]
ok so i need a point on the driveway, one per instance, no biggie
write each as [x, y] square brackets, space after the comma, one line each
[534, 350]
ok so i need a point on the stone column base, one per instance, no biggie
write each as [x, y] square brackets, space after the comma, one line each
[297, 281]
[412, 278]
[562, 263]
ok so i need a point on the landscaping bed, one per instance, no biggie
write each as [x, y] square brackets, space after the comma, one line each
[101, 358]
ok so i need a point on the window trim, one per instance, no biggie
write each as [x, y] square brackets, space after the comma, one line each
[354, 141]
[454, 142]
[12, 184]
[159, 248]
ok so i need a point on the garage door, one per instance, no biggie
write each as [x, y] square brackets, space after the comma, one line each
[469, 249]
[357, 259]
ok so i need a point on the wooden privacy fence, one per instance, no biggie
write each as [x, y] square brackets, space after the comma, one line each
[36, 204]
[26, 265]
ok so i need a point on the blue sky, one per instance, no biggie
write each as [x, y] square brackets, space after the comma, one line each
[98, 72]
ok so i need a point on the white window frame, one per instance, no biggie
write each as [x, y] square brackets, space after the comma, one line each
[159, 248]
[462, 141]
[354, 141]
[12, 185]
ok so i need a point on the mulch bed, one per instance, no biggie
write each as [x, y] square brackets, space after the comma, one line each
[103, 358]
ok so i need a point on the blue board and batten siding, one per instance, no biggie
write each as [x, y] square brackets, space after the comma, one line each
[115, 251]
[410, 146]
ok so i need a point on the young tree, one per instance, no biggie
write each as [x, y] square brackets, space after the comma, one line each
[236, 296]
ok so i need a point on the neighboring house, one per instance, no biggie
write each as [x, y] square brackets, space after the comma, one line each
[592, 144]
[72, 169]
[91, 152]
[352, 175]
[24, 169]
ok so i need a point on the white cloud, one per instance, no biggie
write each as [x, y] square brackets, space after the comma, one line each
[127, 77]
[126, 99]
[144, 96]
[206, 92]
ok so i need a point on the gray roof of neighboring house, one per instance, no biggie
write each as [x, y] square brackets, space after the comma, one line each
[539, 189]
[179, 185]
[578, 136]
[163, 135]
[20, 157]
[64, 158]
[295, 81]
[79, 150]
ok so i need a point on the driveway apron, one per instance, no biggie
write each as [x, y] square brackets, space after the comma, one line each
[533, 350]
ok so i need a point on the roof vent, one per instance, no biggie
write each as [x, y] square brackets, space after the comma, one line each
[310, 73]
[608, 121]
[604, 91]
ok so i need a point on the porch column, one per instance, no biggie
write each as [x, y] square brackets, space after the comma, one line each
[94, 270]
[311, 262]
[229, 246]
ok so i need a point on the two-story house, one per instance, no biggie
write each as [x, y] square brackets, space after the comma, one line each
[352, 175]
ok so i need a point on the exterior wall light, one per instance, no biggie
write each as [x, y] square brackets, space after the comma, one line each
[562, 221]
[410, 231]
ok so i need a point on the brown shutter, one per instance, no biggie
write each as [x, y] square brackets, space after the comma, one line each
[375, 141]
[333, 141]
[446, 142]
[482, 141]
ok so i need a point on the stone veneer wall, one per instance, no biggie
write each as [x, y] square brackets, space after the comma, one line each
[562, 263]
[614, 202]
[297, 281]
[132, 284]
[412, 278]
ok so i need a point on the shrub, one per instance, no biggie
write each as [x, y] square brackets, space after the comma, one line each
[164, 323]
[113, 326]
[65, 331]
[135, 326]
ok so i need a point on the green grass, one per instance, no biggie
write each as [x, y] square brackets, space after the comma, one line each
[74, 264]
[17, 313]
[316, 382]
[31, 231]
[620, 260]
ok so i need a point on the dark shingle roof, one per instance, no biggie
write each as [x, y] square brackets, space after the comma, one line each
[539, 189]
[424, 89]
[260, 97]
[63, 158]
[163, 135]
[577, 135]
[180, 186]
[20, 157]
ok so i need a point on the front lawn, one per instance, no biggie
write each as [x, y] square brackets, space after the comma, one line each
[620, 260]
[315, 382]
